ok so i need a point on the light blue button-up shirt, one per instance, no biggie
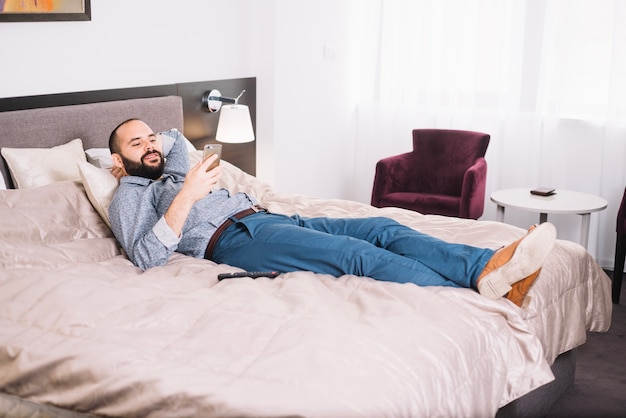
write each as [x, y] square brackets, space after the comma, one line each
[137, 210]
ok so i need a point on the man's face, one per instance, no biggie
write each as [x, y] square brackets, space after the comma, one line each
[140, 150]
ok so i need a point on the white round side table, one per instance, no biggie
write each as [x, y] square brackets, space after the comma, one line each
[562, 201]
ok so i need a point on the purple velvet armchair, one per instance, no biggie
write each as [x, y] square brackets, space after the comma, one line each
[620, 250]
[445, 174]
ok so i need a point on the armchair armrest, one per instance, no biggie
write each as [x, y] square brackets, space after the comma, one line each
[391, 175]
[473, 191]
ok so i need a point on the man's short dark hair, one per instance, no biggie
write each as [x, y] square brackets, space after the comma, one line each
[113, 143]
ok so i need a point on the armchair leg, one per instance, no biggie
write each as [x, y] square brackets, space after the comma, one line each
[618, 269]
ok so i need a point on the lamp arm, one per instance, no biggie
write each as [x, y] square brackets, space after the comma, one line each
[223, 99]
[239, 97]
[212, 100]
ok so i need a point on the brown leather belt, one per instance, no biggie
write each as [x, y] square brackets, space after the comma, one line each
[208, 253]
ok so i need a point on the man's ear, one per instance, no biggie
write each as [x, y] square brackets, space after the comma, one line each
[117, 162]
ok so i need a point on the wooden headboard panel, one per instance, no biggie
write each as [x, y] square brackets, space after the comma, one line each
[49, 120]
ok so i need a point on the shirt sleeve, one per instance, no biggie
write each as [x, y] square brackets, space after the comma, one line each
[164, 233]
[168, 142]
[138, 228]
[177, 156]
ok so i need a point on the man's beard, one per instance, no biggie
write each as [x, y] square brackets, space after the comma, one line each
[141, 169]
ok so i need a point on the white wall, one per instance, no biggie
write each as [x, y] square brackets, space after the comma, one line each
[313, 111]
[126, 44]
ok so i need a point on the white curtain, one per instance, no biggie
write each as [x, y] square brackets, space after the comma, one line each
[547, 80]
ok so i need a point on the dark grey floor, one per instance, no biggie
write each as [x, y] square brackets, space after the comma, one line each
[599, 389]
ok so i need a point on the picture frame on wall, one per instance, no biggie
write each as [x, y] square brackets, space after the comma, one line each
[44, 10]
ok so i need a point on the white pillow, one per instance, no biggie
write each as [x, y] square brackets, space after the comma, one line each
[100, 157]
[100, 186]
[190, 147]
[33, 167]
[3, 185]
[195, 157]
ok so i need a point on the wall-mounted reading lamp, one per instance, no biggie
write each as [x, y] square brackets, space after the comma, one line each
[234, 125]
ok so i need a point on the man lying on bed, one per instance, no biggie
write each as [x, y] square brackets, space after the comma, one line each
[162, 206]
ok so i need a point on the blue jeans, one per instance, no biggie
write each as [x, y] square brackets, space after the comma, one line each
[377, 247]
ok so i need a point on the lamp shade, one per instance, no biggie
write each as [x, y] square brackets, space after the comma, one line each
[234, 125]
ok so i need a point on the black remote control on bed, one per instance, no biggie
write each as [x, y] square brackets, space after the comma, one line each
[251, 274]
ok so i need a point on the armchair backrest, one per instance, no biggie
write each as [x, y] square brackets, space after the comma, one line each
[442, 156]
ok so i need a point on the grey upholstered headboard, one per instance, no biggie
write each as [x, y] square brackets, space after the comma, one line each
[92, 123]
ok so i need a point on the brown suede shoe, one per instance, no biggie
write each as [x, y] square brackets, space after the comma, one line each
[520, 289]
[516, 261]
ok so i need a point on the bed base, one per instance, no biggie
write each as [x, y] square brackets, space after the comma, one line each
[540, 401]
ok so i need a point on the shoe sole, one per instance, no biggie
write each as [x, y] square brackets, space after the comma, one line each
[527, 259]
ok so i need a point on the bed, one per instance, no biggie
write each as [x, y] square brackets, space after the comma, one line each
[85, 333]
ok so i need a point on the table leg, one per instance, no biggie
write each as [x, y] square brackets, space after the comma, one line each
[543, 217]
[584, 229]
[500, 213]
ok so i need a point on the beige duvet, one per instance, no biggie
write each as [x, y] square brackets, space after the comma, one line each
[81, 328]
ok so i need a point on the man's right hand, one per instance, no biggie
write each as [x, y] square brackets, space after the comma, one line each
[198, 183]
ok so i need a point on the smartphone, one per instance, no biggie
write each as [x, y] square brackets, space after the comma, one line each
[210, 149]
